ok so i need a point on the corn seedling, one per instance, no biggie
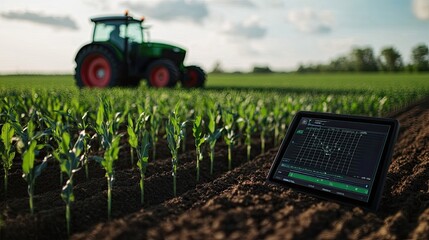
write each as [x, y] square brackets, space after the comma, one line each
[175, 134]
[250, 127]
[58, 135]
[155, 123]
[263, 123]
[213, 133]
[230, 136]
[107, 124]
[132, 138]
[83, 124]
[186, 115]
[143, 158]
[70, 162]
[212, 136]
[277, 118]
[6, 150]
[197, 131]
[110, 156]
[30, 148]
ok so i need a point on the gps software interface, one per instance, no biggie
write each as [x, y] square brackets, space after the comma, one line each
[339, 157]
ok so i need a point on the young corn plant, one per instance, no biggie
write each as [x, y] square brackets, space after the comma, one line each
[132, 138]
[110, 156]
[133, 130]
[29, 148]
[263, 123]
[143, 159]
[212, 136]
[70, 163]
[175, 135]
[58, 131]
[155, 123]
[197, 131]
[7, 151]
[250, 127]
[277, 120]
[187, 114]
[106, 127]
[83, 124]
[230, 135]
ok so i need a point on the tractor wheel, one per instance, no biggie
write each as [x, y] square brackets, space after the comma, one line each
[162, 73]
[193, 77]
[97, 67]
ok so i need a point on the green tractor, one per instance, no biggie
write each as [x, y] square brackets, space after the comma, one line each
[120, 56]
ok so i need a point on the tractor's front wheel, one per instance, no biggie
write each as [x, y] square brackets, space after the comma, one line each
[193, 77]
[97, 67]
[162, 73]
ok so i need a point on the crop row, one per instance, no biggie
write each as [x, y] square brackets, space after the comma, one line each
[75, 127]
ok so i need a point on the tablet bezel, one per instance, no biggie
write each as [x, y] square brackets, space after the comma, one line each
[379, 179]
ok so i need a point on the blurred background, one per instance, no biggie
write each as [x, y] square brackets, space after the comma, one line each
[229, 35]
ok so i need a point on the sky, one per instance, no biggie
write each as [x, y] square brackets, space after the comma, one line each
[44, 36]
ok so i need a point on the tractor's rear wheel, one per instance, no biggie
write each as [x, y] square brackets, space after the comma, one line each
[193, 77]
[97, 67]
[162, 73]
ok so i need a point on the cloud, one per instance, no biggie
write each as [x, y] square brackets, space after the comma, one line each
[275, 3]
[311, 21]
[169, 10]
[98, 4]
[250, 28]
[64, 22]
[238, 3]
[421, 9]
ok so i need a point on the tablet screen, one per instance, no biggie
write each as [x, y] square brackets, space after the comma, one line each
[332, 155]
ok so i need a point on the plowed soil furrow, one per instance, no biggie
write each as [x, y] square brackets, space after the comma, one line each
[237, 204]
[241, 205]
[91, 204]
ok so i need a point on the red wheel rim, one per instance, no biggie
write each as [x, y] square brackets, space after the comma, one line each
[192, 80]
[96, 71]
[159, 77]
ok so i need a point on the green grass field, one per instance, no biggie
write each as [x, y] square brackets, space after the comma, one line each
[290, 82]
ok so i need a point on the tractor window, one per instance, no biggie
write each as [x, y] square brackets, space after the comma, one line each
[134, 33]
[112, 32]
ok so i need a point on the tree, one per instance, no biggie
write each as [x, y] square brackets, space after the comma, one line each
[420, 58]
[390, 60]
[341, 64]
[262, 69]
[363, 60]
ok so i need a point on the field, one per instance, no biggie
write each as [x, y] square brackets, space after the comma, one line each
[154, 135]
[290, 82]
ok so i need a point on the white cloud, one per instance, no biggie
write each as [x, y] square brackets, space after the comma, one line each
[238, 3]
[275, 3]
[98, 4]
[311, 21]
[421, 9]
[250, 28]
[39, 18]
[169, 10]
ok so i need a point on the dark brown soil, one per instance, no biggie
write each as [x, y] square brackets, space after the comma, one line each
[237, 204]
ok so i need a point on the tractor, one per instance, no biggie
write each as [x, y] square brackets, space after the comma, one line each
[119, 55]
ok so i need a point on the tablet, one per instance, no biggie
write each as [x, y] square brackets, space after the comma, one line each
[336, 157]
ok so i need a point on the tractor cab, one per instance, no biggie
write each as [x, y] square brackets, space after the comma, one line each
[119, 56]
[116, 30]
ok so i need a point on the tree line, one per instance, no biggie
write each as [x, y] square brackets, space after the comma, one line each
[364, 60]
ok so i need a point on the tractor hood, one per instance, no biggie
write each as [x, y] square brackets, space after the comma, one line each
[166, 51]
[157, 46]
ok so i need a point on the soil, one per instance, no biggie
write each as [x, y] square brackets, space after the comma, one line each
[236, 204]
